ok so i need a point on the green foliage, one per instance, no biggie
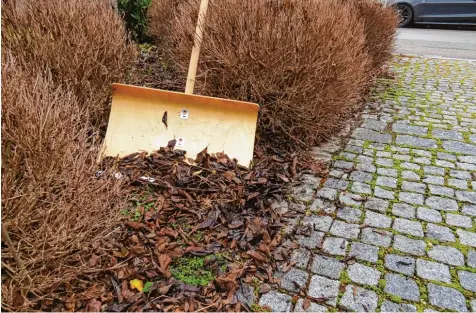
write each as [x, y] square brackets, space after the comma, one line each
[147, 287]
[192, 271]
[134, 13]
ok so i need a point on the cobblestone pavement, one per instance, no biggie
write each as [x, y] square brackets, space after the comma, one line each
[393, 227]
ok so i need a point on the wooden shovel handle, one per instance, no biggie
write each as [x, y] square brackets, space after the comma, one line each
[197, 41]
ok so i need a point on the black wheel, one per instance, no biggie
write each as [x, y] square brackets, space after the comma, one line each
[405, 13]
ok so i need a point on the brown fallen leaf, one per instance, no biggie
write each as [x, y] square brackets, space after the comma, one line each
[306, 304]
[135, 225]
[94, 306]
[264, 288]
[257, 256]
[164, 262]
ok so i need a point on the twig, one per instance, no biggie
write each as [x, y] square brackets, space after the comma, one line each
[12, 248]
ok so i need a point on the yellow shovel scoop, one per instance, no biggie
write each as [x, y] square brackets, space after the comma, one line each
[145, 119]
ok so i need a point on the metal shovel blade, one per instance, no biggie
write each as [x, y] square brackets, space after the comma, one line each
[145, 119]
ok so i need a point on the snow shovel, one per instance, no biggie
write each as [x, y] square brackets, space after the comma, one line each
[145, 119]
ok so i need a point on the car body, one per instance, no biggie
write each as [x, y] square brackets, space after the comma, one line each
[462, 12]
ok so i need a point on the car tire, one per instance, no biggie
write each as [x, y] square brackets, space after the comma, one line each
[405, 13]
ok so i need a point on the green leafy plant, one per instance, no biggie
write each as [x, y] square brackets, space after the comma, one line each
[134, 13]
[147, 287]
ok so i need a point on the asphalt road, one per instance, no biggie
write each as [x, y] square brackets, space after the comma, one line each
[447, 43]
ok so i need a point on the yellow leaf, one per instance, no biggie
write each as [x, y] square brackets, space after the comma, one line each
[136, 284]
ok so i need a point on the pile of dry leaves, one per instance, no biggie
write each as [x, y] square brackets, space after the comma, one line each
[196, 230]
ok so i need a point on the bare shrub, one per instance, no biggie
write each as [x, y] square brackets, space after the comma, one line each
[380, 24]
[303, 61]
[81, 43]
[52, 205]
[160, 16]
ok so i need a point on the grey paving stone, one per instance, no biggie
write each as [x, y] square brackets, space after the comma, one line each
[388, 306]
[416, 141]
[386, 181]
[442, 204]
[376, 237]
[400, 264]
[350, 199]
[469, 209]
[473, 305]
[362, 177]
[441, 191]
[364, 252]
[301, 257]
[365, 159]
[421, 160]
[467, 280]
[349, 214]
[459, 147]
[466, 196]
[344, 164]
[384, 194]
[377, 220]
[278, 302]
[467, 159]
[446, 134]
[347, 156]
[376, 204]
[414, 187]
[370, 135]
[403, 210]
[440, 233]
[363, 274]
[312, 241]
[322, 223]
[401, 128]
[410, 166]
[466, 237]
[294, 280]
[448, 255]
[459, 220]
[402, 287]
[466, 166]
[346, 230]
[387, 172]
[444, 163]
[384, 162]
[408, 245]
[422, 153]
[384, 154]
[460, 174]
[313, 307]
[429, 215]
[410, 175]
[408, 227]
[458, 183]
[336, 183]
[359, 299]
[433, 271]
[433, 170]
[354, 149]
[327, 266]
[435, 180]
[446, 156]
[402, 157]
[472, 258]
[327, 193]
[374, 124]
[320, 205]
[410, 197]
[362, 188]
[335, 246]
[446, 298]
[322, 287]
